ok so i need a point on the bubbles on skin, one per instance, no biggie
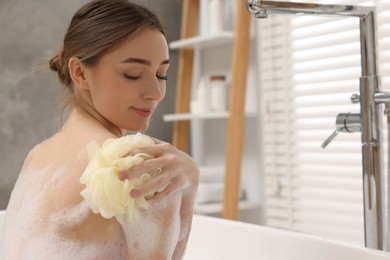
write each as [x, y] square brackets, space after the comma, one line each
[24, 203]
[30, 233]
[25, 234]
[73, 216]
[156, 229]
[51, 246]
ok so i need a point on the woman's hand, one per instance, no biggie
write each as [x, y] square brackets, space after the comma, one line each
[177, 168]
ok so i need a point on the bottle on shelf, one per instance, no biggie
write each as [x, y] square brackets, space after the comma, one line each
[216, 16]
[218, 97]
[202, 102]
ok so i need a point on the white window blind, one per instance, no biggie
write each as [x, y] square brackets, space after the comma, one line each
[309, 68]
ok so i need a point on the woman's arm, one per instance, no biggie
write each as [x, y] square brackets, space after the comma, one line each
[186, 214]
[181, 171]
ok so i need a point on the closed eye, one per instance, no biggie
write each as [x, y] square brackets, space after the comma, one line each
[162, 77]
[137, 77]
[131, 77]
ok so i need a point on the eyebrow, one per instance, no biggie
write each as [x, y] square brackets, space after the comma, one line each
[143, 61]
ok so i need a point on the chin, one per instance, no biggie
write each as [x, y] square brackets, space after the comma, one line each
[138, 128]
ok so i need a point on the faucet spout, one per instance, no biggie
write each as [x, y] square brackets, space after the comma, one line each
[376, 207]
[276, 7]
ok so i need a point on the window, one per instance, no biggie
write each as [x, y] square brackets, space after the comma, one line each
[309, 68]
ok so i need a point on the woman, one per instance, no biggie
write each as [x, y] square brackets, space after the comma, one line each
[113, 65]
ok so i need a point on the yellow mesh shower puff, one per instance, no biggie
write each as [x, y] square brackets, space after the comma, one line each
[105, 193]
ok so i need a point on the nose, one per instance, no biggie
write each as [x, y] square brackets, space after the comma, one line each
[154, 89]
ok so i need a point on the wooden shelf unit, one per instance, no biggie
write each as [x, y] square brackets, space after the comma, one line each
[236, 114]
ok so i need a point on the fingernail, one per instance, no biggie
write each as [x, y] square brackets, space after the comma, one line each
[122, 176]
[134, 193]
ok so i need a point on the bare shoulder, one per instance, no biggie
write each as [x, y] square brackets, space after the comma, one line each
[67, 158]
[69, 155]
[59, 162]
[47, 196]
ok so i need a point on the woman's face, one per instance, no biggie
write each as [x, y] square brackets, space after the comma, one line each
[129, 82]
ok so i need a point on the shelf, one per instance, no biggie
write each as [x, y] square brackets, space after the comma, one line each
[210, 115]
[189, 116]
[213, 208]
[203, 41]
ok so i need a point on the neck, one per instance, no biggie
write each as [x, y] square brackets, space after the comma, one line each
[91, 115]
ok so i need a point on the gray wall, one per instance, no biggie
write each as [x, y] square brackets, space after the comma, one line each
[31, 31]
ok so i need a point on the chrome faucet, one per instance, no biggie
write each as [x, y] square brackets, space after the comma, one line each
[368, 121]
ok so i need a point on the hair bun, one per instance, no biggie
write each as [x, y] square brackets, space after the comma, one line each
[56, 64]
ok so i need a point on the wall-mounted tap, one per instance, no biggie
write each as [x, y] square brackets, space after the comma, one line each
[347, 123]
[368, 121]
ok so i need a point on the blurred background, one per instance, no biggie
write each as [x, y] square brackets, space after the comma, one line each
[31, 33]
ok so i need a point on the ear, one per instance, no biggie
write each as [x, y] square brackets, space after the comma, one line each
[77, 73]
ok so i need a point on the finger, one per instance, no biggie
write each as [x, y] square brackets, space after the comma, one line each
[175, 186]
[123, 176]
[157, 141]
[134, 152]
[156, 150]
[152, 185]
[148, 166]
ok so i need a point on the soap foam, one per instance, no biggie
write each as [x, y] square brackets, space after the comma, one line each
[156, 232]
[27, 236]
[73, 216]
[52, 246]
[22, 215]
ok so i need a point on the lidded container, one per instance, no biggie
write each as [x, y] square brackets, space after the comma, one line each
[218, 97]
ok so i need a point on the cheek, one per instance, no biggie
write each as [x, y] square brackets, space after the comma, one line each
[163, 91]
[112, 87]
[108, 96]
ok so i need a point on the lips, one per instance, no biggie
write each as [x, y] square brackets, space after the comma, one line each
[143, 112]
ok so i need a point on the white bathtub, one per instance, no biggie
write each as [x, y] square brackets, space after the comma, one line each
[2, 215]
[215, 239]
[219, 239]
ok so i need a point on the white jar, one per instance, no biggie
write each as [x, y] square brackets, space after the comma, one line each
[216, 16]
[218, 97]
